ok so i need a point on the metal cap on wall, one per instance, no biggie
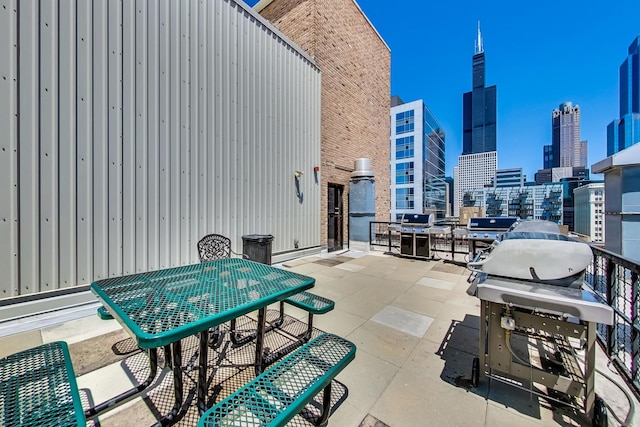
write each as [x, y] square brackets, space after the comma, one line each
[362, 168]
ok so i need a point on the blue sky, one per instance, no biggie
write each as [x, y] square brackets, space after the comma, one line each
[539, 54]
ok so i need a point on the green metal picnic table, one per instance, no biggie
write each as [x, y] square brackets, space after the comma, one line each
[160, 308]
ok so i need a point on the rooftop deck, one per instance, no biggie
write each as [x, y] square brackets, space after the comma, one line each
[416, 331]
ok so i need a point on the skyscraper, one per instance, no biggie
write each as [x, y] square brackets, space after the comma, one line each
[625, 131]
[567, 148]
[479, 108]
[479, 160]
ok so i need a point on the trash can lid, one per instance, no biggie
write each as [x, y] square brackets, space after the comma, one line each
[257, 237]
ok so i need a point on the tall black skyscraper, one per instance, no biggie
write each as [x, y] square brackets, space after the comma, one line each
[479, 109]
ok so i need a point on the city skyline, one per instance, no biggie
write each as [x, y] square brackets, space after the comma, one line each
[540, 55]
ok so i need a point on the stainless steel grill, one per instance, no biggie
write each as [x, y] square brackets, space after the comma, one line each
[414, 235]
[483, 231]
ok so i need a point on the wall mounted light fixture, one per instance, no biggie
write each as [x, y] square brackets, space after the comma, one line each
[298, 174]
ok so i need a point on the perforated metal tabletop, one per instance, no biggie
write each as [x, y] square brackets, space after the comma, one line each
[164, 306]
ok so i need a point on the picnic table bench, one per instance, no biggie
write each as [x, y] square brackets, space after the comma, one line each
[275, 396]
[38, 388]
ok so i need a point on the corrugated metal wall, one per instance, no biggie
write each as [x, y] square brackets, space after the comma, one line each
[130, 129]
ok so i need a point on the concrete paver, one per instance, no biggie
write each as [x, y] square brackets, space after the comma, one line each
[398, 379]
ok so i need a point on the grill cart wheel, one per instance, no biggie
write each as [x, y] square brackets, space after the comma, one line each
[475, 372]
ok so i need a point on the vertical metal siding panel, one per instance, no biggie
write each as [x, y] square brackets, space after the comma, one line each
[223, 142]
[244, 170]
[203, 114]
[29, 134]
[279, 140]
[100, 139]
[126, 151]
[231, 217]
[67, 195]
[213, 157]
[194, 133]
[141, 193]
[185, 113]
[84, 160]
[8, 149]
[252, 147]
[153, 126]
[115, 77]
[271, 108]
[175, 133]
[164, 137]
[48, 146]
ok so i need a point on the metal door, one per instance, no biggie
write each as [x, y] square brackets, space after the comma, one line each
[334, 218]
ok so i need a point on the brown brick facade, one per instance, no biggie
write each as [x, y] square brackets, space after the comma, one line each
[356, 67]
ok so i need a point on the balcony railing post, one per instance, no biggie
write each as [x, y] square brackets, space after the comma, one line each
[609, 267]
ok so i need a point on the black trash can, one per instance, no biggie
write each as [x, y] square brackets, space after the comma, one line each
[257, 247]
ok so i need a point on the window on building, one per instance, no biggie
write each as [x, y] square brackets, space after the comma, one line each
[404, 198]
[404, 122]
[404, 148]
[404, 173]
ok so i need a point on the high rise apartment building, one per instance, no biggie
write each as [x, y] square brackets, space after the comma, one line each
[478, 162]
[589, 211]
[625, 131]
[526, 202]
[567, 148]
[417, 161]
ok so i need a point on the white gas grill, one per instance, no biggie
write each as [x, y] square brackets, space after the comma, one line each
[535, 313]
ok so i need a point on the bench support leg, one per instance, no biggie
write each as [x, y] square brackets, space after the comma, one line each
[326, 406]
[238, 339]
[127, 395]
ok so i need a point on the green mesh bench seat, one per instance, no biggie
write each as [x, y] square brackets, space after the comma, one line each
[309, 302]
[282, 391]
[38, 388]
[314, 304]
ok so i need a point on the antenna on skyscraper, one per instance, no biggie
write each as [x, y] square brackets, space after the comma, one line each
[479, 47]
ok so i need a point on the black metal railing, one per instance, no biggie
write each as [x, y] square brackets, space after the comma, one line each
[387, 234]
[615, 279]
[384, 234]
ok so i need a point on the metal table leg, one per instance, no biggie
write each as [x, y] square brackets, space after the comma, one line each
[178, 387]
[259, 365]
[202, 371]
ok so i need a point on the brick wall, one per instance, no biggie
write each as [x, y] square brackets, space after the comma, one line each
[356, 69]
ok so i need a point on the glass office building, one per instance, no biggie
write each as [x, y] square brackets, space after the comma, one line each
[625, 131]
[417, 161]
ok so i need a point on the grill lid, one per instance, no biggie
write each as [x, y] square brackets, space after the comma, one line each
[417, 219]
[501, 223]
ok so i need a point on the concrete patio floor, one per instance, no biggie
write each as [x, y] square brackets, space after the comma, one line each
[416, 332]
